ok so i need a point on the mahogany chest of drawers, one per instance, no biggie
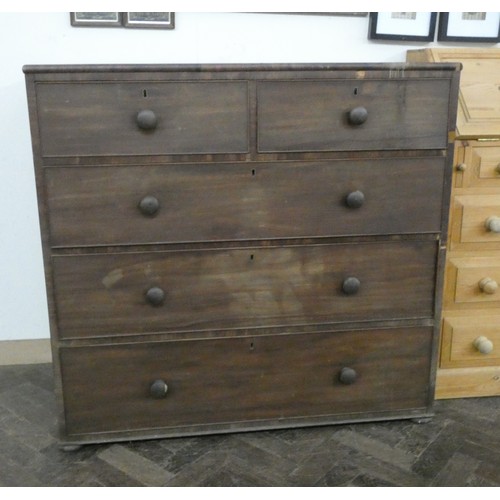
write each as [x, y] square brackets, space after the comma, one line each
[241, 247]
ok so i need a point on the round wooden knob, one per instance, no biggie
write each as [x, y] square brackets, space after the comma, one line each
[488, 285]
[155, 296]
[484, 345]
[358, 116]
[497, 169]
[461, 167]
[149, 206]
[158, 389]
[348, 376]
[493, 224]
[146, 120]
[351, 285]
[355, 199]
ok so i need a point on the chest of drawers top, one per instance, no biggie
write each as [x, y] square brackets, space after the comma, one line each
[241, 110]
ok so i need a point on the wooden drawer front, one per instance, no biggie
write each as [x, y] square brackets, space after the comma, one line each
[482, 165]
[101, 118]
[251, 287]
[465, 337]
[313, 116]
[471, 216]
[223, 381]
[474, 280]
[99, 206]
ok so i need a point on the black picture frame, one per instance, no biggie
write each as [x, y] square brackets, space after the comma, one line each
[150, 20]
[428, 29]
[449, 24]
[96, 19]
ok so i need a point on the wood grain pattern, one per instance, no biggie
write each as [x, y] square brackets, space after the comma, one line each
[237, 279]
[459, 333]
[100, 118]
[305, 116]
[473, 249]
[230, 380]
[468, 382]
[465, 274]
[482, 160]
[479, 101]
[255, 287]
[471, 211]
[458, 447]
[243, 201]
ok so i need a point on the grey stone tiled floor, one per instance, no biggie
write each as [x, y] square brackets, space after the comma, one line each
[460, 446]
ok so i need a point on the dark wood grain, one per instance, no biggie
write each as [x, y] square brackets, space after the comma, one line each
[459, 447]
[312, 116]
[246, 253]
[100, 119]
[243, 201]
[105, 294]
[230, 380]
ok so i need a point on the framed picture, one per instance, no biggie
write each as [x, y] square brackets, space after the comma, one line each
[350, 14]
[405, 26]
[158, 20]
[469, 27]
[95, 18]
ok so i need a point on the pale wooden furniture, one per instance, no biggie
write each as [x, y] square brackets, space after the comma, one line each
[241, 247]
[470, 340]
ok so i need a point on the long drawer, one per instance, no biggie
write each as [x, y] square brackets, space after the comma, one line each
[142, 118]
[352, 115]
[223, 381]
[203, 202]
[111, 294]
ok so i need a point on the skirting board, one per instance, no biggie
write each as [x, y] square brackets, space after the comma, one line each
[25, 352]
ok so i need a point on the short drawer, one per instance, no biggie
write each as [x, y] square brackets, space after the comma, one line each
[478, 165]
[472, 340]
[476, 222]
[234, 381]
[111, 294]
[352, 115]
[216, 202]
[143, 118]
[473, 280]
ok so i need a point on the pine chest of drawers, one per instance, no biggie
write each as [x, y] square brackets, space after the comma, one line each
[241, 247]
[469, 361]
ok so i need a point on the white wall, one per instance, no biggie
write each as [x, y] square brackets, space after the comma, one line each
[48, 38]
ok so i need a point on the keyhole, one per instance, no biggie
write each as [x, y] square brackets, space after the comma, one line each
[253, 171]
[252, 347]
[144, 93]
[355, 90]
[251, 256]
